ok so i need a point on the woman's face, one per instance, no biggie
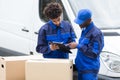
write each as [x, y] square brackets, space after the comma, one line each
[56, 21]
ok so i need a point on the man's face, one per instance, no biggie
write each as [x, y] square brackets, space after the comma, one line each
[56, 21]
[85, 24]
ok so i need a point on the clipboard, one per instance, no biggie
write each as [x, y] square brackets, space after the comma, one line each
[62, 47]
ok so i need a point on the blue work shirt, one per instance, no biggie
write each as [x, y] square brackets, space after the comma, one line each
[49, 33]
[90, 46]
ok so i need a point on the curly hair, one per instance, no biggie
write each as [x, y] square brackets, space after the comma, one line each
[53, 10]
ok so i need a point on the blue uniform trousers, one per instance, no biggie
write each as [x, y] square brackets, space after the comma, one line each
[87, 76]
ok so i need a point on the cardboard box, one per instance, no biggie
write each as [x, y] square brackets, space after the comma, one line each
[49, 69]
[13, 68]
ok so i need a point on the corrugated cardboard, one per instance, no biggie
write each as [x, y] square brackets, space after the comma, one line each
[49, 69]
[13, 68]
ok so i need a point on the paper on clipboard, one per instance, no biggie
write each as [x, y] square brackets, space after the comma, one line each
[62, 46]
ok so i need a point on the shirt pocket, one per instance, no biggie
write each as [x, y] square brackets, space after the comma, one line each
[51, 37]
[85, 41]
[65, 37]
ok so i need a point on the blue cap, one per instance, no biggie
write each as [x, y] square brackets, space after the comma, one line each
[82, 16]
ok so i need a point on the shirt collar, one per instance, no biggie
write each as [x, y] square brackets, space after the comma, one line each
[54, 26]
[90, 26]
[85, 30]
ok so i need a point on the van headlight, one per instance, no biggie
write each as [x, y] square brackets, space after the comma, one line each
[111, 61]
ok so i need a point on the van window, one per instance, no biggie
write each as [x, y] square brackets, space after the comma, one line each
[43, 3]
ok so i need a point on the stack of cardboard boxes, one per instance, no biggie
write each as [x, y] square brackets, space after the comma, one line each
[35, 68]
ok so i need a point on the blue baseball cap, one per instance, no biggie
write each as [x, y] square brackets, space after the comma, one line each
[82, 16]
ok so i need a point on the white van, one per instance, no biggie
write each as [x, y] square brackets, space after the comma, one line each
[20, 21]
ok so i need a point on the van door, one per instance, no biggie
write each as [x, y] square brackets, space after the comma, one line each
[15, 24]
